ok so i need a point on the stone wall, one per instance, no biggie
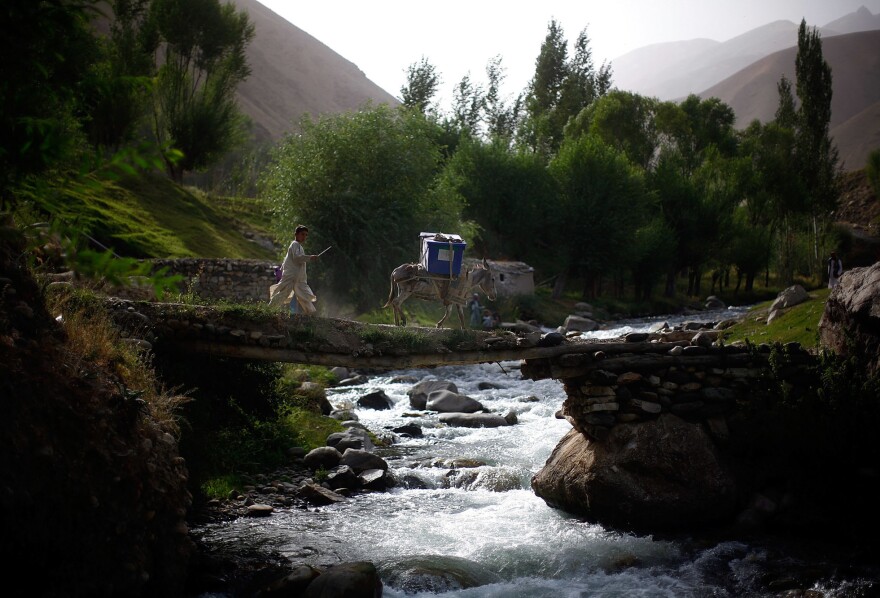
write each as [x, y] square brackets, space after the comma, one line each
[625, 385]
[236, 280]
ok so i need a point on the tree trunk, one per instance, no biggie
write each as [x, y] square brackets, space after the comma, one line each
[559, 285]
[670, 284]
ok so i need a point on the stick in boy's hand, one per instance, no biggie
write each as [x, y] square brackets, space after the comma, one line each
[323, 252]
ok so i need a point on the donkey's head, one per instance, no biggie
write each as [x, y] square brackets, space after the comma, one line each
[481, 277]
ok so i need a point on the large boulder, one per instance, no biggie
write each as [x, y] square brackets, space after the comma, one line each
[664, 474]
[852, 311]
[418, 394]
[445, 401]
[791, 296]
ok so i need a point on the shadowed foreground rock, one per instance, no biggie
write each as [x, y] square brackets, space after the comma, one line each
[94, 495]
[851, 321]
[652, 475]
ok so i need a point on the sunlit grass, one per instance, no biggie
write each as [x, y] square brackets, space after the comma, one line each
[149, 216]
[93, 340]
[799, 323]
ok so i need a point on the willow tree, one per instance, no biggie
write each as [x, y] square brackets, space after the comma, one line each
[604, 202]
[203, 61]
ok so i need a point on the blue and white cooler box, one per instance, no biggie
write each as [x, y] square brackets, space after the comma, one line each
[441, 253]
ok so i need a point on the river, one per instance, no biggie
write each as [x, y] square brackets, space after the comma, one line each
[486, 520]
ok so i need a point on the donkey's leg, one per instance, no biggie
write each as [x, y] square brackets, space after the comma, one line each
[397, 304]
[460, 314]
[445, 315]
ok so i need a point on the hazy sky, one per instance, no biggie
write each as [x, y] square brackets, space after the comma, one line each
[459, 37]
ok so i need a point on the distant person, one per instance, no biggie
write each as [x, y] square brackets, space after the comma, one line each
[835, 269]
[488, 320]
[476, 311]
[294, 281]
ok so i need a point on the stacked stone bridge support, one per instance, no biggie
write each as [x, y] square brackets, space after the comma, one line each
[626, 383]
[654, 426]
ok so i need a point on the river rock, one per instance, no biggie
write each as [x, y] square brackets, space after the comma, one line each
[355, 580]
[850, 324]
[410, 430]
[791, 296]
[446, 401]
[326, 457]
[436, 574]
[476, 420]
[664, 474]
[342, 476]
[713, 302]
[340, 373]
[375, 400]
[360, 461]
[579, 324]
[418, 394]
[315, 494]
[292, 584]
[356, 438]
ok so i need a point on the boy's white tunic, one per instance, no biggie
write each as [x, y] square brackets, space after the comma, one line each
[293, 281]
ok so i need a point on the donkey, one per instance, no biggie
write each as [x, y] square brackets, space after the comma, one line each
[413, 280]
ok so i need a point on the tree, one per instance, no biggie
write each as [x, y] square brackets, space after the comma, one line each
[203, 62]
[560, 89]
[872, 171]
[603, 199]
[468, 103]
[123, 83]
[500, 119]
[363, 183]
[623, 120]
[510, 196]
[46, 50]
[422, 81]
[817, 155]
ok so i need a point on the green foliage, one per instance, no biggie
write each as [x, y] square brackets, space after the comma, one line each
[512, 198]
[46, 50]
[422, 81]
[204, 61]
[622, 120]
[362, 182]
[221, 487]
[872, 170]
[560, 88]
[309, 429]
[604, 201]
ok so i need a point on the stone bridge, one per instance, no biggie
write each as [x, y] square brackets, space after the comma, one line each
[652, 420]
[606, 382]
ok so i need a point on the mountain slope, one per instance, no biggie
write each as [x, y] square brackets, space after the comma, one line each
[854, 59]
[674, 70]
[293, 74]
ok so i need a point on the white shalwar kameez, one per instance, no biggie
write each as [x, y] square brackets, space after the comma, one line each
[293, 281]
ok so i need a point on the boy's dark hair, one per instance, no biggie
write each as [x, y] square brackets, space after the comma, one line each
[300, 229]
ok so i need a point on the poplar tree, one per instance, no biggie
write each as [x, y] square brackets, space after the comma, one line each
[560, 89]
[422, 81]
[817, 155]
